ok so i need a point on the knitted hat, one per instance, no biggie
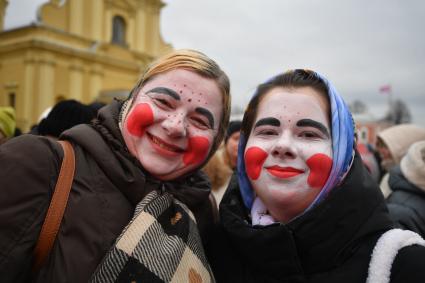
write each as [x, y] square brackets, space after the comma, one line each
[412, 165]
[7, 121]
[399, 138]
[234, 126]
[64, 116]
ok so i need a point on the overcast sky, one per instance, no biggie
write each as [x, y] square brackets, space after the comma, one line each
[358, 45]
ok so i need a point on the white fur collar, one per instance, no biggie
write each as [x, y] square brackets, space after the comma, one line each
[386, 250]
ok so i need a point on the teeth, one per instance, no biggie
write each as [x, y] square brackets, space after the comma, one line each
[161, 145]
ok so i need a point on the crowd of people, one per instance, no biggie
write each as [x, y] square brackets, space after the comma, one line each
[167, 189]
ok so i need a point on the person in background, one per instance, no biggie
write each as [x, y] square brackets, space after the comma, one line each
[63, 116]
[7, 123]
[368, 157]
[392, 144]
[406, 203]
[139, 208]
[97, 105]
[302, 206]
[221, 166]
[18, 132]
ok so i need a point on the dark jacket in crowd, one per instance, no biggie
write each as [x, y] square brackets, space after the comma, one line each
[406, 203]
[107, 186]
[332, 242]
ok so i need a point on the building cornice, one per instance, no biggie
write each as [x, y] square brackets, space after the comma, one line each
[48, 39]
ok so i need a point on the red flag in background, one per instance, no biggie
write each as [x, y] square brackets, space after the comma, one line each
[385, 89]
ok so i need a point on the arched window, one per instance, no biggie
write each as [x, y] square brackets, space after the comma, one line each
[118, 30]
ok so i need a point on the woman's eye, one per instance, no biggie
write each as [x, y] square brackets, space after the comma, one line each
[163, 102]
[267, 132]
[309, 135]
[199, 123]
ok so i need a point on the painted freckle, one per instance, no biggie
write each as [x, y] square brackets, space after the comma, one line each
[189, 100]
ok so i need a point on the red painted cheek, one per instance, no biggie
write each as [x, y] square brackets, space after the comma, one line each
[197, 150]
[320, 167]
[254, 160]
[140, 117]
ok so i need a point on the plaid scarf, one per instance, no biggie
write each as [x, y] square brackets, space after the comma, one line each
[160, 244]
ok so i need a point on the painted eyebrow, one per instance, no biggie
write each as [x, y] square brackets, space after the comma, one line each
[207, 114]
[314, 124]
[268, 121]
[165, 90]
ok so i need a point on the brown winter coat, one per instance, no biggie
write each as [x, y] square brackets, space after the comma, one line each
[108, 184]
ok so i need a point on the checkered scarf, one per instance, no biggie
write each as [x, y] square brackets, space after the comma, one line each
[160, 244]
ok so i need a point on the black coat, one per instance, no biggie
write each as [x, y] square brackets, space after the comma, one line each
[107, 186]
[333, 242]
[406, 203]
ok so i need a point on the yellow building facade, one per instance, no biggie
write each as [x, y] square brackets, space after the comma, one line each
[77, 49]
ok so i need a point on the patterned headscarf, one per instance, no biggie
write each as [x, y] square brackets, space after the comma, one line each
[342, 146]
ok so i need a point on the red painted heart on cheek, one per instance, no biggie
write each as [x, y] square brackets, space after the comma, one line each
[197, 150]
[140, 117]
[320, 167]
[254, 160]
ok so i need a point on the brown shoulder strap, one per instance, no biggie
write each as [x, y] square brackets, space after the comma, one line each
[57, 206]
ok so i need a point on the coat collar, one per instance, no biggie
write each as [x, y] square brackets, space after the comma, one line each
[319, 240]
[107, 147]
[398, 182]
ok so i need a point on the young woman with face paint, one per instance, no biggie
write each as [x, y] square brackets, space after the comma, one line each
[139, 207]
[302, 206]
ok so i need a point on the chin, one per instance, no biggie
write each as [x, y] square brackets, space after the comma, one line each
[169, 175]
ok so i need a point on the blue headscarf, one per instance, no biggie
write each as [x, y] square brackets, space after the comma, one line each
[342, 147]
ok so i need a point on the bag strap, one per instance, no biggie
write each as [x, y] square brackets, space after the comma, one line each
[57, 206]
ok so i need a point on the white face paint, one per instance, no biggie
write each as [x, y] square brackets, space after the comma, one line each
[288, 155]
[171, 127]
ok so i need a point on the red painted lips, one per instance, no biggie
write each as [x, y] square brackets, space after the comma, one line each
[284, 172]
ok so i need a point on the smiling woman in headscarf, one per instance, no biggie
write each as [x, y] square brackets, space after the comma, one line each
[302, 206]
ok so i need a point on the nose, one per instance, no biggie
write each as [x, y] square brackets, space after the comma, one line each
[174, 126]
[284, 147]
